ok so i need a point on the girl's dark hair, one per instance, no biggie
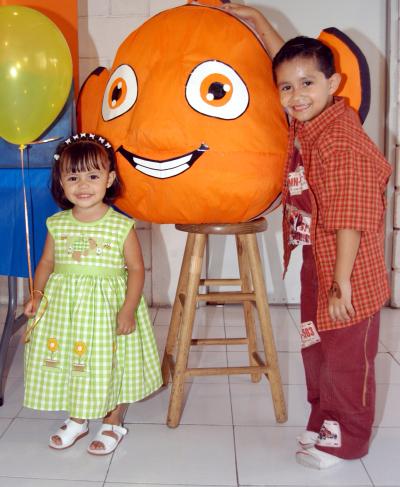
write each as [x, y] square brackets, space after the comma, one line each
[83, 152]
[306, 47]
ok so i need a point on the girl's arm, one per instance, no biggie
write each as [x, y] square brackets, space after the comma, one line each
[339, 300]
[43, 271]
[271, 39]
[135, 266]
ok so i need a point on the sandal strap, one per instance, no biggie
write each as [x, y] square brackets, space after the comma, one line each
[107, 440]
[72, 429]
[118, 429]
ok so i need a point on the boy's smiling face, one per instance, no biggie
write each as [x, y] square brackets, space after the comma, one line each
[304, 90]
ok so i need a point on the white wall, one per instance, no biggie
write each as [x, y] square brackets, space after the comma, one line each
[365, 23]
[103, 24]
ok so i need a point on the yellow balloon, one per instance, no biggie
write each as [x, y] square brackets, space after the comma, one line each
[35, 73]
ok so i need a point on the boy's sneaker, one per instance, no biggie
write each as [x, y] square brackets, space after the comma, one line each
[307, 439]
[313, 458]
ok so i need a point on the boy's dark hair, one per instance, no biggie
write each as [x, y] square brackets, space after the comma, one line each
[83, 152]
[306, 47]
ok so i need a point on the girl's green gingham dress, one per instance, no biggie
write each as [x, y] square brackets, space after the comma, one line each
[74, 360]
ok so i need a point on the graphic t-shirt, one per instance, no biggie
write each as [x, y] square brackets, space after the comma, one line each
[298, 204]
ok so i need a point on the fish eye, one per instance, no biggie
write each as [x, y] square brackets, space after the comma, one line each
[121, 92]
[216, 90]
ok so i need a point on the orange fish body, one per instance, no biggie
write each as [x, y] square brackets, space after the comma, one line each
[193, 114]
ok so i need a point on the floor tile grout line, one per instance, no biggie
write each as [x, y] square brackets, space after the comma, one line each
[231, 406]
[57, 479]
[8, 426]
[394, 358]
[366, 471]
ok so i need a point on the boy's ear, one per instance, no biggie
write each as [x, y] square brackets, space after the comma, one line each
[334, 83]
[350, 62]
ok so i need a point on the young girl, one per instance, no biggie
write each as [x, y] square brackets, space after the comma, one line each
[91, 348]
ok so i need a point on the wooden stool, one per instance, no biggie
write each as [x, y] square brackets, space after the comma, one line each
[187, 294]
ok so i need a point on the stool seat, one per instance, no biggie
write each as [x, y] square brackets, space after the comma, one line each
[252, 292]
[252, 226]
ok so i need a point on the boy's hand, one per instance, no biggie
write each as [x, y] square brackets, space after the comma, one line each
[31, 307]
[242, 11]
[339, 302]
[125, 321]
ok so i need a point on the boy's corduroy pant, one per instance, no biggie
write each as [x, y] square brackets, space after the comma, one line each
[340, 372]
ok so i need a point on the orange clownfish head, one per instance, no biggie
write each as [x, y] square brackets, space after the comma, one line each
[193, 114]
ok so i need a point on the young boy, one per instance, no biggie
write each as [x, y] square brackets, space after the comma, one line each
[334, 203]
[335, 179]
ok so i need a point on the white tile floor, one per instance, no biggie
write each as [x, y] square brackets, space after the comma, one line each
[228, 435]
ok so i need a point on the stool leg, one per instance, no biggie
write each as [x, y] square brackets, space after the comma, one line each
[177, 309]
[247, 305]
[185, 336]
[271, 358]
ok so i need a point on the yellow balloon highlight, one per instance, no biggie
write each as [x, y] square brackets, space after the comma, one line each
[35, 73]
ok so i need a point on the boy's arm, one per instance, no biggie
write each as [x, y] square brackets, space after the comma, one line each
[271, 39]
[339, 300]
[42, 273]
[135, 266]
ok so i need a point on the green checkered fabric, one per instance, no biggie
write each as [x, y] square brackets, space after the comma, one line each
[74, 360]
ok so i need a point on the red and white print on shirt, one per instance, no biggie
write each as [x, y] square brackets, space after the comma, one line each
[297, 182]
[300, 226]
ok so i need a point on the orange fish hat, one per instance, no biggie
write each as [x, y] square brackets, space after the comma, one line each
[191, 108]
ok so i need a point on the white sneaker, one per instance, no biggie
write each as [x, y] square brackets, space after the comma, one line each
[313, 458]
[307, 439]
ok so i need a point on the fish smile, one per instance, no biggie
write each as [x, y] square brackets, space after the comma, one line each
[166, 168]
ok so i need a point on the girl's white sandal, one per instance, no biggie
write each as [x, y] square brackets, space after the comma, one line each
[110, 442]
[72, 432]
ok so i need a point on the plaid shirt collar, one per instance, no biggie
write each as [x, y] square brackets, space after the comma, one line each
[311, 130]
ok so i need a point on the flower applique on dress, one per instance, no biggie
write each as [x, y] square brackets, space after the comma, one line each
[53, 347]
[80, 349]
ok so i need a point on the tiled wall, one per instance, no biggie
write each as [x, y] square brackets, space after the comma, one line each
[103, 24]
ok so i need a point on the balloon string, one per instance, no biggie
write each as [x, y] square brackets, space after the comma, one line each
[27, 234]
[35, 320]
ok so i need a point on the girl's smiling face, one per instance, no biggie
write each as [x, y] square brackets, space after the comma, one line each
[86, 189]
[304, 90]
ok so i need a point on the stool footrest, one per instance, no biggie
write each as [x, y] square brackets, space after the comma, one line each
[219, 341]
[250, 369]
[220, 282]
[227, 297]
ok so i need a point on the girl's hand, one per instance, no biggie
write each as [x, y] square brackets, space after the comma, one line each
[125, 321]
[339, 301]
[32, 306]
